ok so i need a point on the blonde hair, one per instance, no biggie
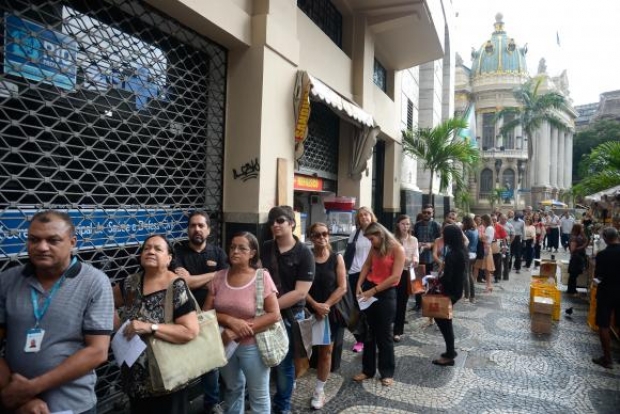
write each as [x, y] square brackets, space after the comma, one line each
[387, 238]
[367, 210]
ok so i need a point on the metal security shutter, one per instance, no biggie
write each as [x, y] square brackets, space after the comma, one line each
[321, 147]
[115, 113]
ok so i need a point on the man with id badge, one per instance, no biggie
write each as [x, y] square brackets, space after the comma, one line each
[56, 316]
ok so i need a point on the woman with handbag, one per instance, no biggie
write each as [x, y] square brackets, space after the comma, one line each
[577, 245]
[451, 281]
[328, 287]
[378, 279]
[360, 246]
[486, 263]
[412, 258]
[142, 297]
[233, 296]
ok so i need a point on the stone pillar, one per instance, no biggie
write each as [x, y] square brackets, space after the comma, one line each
[543, 155]
[561, 159]
[568, 160]
[553, 170]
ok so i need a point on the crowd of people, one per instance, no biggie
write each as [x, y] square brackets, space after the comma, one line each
[57, 313]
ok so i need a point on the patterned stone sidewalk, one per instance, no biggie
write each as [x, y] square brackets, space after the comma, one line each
[501, 368]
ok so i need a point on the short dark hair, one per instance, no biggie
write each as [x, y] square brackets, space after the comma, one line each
[253, 242]
[47, 216]
[200, 213]
[168, 245]
[428, 206]
[280, 211]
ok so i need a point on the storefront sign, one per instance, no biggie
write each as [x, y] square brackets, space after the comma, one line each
[40, 54]
[95, 227]
[304, 183]
[302, 106]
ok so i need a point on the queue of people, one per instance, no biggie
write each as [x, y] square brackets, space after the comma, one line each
[58, 306]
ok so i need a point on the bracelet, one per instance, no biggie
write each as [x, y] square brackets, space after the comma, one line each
[376, 290]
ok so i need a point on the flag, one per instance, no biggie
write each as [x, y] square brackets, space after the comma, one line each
[469, 134]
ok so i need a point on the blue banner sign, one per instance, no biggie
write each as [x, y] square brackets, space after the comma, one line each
[40, 54]
[95, 228]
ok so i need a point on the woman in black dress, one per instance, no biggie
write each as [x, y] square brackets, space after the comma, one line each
[455, 268]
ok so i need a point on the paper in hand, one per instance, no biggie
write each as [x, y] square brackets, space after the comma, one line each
[126, 350]
[366, 304]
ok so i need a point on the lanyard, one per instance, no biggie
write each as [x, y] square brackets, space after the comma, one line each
[40, 312]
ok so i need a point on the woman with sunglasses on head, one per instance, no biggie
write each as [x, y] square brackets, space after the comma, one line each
[378, 279]
[233, 296]
[412, 257]
[363, 219]
[328, 287]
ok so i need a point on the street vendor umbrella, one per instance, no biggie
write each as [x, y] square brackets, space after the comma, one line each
[553, 203]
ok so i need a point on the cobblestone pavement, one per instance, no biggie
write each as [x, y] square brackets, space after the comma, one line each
[502, 367]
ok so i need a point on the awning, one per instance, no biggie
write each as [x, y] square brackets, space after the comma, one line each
[605, 195]
[308, 87]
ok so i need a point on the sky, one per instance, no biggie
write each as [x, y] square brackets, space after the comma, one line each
[589, 42]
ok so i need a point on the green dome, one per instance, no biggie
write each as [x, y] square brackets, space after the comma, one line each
[499, 55]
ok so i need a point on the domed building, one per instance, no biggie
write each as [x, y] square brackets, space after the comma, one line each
[498, 68]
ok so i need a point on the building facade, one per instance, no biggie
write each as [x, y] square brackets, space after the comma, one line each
[507, 177]
[130, 114]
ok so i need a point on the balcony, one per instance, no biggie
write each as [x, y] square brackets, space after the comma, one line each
[505, 153]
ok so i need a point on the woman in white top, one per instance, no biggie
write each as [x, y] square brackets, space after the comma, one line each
[364, 217]
[530, 237]
[486, 263]
[412, 258]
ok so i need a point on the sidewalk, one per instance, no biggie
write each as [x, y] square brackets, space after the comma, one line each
[501, 368]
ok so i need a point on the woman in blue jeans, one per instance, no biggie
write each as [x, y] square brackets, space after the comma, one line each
[233, 296]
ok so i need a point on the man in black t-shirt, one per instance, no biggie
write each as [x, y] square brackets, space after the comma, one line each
[291, 265]
[196, 261]
[607, 292]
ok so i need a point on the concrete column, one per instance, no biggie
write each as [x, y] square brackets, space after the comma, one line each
[568, 160]
[561, 159]
[543, 156]
[553, 170]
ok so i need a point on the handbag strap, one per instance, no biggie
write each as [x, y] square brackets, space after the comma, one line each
[260, 288]
[168, 302]
[357, 234]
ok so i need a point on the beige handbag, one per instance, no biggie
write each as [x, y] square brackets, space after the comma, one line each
[172, 366]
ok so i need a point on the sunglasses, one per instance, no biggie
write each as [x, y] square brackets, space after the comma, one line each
[319, 235]
[279, 220]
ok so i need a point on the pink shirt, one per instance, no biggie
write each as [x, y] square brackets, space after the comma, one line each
[381, 268]
[239, 302]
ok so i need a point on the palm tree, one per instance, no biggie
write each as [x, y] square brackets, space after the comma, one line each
[603, 169]
[441, 154]
[536, 109]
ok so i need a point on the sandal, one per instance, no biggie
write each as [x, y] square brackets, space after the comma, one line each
[603, 362]
[387, 382]
[396, 338]
[361, 377]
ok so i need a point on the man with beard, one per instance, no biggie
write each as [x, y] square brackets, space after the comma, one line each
[426, 231]
[196, 261]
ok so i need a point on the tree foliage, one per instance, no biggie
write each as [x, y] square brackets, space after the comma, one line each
[603, 169]
[442, 154]
[594, 135]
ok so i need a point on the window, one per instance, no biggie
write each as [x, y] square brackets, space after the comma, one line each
[326, 16]
[488, 130]
[486, 182]
[379, 76]
[508, 178]
[409, 115]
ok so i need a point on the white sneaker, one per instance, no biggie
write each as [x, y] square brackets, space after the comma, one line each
[318, 400]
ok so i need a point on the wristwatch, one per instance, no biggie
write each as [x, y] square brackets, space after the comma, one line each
[154, 328]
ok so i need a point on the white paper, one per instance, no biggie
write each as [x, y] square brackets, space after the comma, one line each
[126, 350]
[412, 275]
[230, 347]
[366, 304]
[321, 333]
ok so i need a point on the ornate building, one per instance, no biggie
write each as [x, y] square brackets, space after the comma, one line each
[498, 68]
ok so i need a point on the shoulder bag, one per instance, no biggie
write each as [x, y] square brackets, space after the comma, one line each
[349, 253]
[172, 366]
[272, 343]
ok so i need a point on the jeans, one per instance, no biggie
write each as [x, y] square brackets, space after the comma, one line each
[285, 373]
[211, 388]
[380, 317]
[529, 252]
[565, 237]
[515, 251]
[497, 262]
[244, 366]
[402, 297]
[469, 284]
[445, 326]
[537, 248]
[553, 239]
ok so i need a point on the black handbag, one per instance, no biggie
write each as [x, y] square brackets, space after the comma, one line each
[480, 250]
[347, 309]
[349, 253]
